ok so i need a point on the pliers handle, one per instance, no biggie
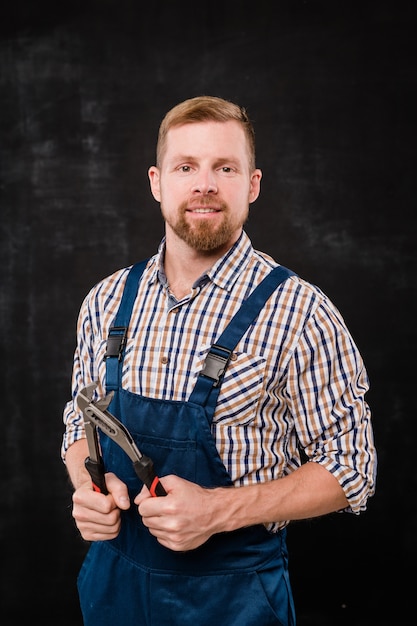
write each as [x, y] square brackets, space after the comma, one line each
[96, 471]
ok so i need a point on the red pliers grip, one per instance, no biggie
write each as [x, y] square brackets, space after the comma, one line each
[96, 470]
[96, 416]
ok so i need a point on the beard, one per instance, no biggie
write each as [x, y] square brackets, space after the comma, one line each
[202, 236]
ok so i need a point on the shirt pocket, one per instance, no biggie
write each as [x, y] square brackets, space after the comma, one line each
[241, 389]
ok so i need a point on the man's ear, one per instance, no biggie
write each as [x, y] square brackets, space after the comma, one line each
[255, 185]
[153, 174]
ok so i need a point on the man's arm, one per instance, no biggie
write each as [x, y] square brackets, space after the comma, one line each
[190, 514]
[310, 491]
[74, 461]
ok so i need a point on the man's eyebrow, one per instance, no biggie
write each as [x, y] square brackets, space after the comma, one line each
[228, 161]
[182, 157]
[221, 160]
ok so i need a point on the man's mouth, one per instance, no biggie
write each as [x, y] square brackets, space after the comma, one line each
[204, 210]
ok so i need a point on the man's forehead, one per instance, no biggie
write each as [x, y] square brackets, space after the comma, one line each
[203, 125]
[207, 134]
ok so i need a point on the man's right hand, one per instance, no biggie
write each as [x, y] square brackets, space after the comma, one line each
[96, 515]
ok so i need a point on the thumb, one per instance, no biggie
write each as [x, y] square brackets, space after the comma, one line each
[118, 490]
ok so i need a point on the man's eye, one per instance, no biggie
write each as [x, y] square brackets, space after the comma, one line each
[227, 169]
[185, 168]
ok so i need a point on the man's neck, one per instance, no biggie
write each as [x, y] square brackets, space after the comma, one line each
[183, 264]
[183, 271]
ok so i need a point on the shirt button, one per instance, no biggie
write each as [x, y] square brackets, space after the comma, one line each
[164, 360]
[233, 356]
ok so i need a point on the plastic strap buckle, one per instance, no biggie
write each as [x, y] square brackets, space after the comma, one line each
[216, 363]
[116, 342]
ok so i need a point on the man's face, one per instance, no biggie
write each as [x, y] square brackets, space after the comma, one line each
[204, 184]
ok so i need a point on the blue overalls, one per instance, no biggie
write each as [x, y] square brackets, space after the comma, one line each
[238, 578]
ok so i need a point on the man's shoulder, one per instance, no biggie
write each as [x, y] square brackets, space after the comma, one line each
[110, 288]
[118, 277]
[295, 288]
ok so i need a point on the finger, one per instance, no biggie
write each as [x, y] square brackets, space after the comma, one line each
[118, 490]
[143, 494]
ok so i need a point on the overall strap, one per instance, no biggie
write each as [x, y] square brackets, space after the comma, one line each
[208, 383]
[116, 340]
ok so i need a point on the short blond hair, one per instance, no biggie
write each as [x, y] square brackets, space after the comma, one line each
[202, 109]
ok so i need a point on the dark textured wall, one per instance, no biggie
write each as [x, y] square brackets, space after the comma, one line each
[331, 88]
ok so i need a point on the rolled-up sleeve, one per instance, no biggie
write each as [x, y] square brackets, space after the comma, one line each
[90, 347]
[327, 385]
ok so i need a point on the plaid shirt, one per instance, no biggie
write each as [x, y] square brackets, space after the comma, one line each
[295, 378]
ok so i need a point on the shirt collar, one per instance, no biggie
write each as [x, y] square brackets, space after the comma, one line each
[227, 270]
[223, 273]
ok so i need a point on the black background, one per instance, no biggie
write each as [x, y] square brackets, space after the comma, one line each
[331, 89]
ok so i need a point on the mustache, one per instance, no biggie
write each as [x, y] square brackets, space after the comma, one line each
[203, 202]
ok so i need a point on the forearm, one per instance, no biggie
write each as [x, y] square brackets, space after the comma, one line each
[74, 461]
[310, 491]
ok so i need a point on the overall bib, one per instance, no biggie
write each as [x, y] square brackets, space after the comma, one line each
[238, 578]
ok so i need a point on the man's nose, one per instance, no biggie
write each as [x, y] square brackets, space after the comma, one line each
[205, 182]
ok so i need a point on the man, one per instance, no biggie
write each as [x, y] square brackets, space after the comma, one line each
[226, 440]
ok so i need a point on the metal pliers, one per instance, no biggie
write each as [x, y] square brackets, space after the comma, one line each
[96, 416]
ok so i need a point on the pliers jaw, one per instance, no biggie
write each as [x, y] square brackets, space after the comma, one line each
[94, 462]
